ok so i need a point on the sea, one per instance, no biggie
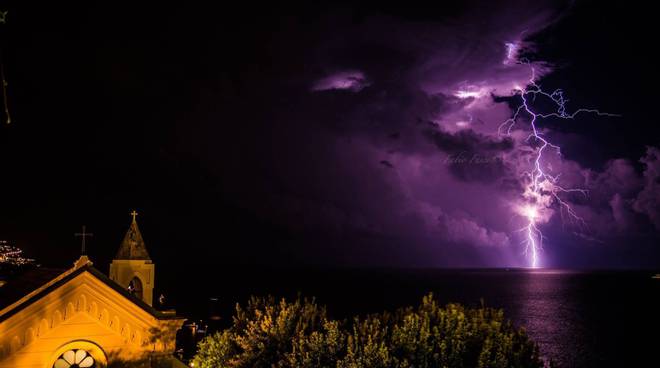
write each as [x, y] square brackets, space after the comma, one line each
[578, 318]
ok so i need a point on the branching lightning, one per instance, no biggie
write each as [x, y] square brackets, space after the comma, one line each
[542, 190]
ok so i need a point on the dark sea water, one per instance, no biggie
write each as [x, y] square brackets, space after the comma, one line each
[579, 319]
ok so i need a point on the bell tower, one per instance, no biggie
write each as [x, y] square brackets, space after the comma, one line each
[132, 267]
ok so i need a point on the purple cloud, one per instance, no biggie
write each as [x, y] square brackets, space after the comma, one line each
[393, 134]
[465, 230]
[621, 212]
[353, 81]
[648, 200]
[430, 103]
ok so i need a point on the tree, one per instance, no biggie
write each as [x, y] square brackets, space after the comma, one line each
[262, 334]
[298, 334]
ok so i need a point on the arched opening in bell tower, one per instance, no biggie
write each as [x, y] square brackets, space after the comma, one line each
[135, 287]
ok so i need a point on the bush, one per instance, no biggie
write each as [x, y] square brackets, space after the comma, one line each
[299, 334]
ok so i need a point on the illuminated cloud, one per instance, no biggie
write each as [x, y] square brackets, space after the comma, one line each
[353, 81]
[465, 230]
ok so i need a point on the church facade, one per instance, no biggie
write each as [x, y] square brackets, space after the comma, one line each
[82, 318]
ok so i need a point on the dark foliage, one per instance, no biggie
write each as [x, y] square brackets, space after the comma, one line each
[268, 333]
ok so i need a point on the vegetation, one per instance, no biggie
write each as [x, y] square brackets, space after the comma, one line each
[268, 333]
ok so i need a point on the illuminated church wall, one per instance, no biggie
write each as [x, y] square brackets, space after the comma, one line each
[84, 312]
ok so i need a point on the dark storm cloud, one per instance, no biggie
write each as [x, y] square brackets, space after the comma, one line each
[621, 212]
[468, 140]
[385, 129]
[620, 201]
[648, 200]
[384, 118]
[443, 100]
[472, 156]
[479, 168]
[387, 164]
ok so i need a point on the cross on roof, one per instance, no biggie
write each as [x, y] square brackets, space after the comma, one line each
[134, 214]
[84, 234]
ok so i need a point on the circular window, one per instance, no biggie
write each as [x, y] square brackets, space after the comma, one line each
[75, 359]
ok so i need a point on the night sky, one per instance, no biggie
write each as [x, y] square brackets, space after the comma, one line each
[327, 135]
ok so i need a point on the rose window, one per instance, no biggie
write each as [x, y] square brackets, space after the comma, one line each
[75, 359]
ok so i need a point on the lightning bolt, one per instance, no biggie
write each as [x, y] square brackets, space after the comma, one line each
[542, 190]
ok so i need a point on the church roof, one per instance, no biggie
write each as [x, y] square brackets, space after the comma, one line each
[32, 286]
[132, 247]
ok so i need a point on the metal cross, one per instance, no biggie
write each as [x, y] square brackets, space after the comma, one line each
[83, 235]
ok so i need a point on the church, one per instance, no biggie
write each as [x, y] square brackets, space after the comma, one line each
[80, 317]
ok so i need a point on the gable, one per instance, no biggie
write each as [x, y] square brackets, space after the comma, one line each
[83, 265]
[82, 304]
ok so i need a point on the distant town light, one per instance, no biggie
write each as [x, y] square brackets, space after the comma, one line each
[12, 255]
